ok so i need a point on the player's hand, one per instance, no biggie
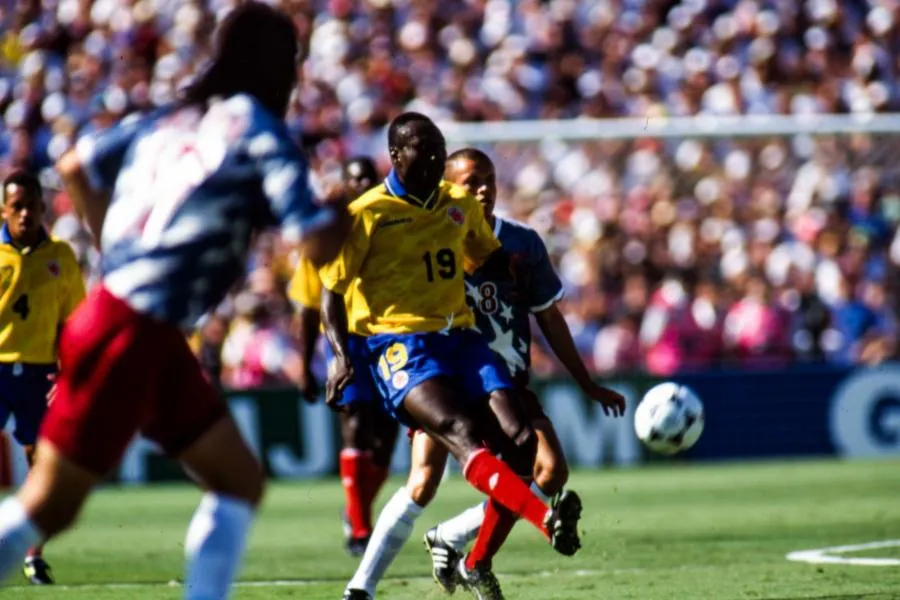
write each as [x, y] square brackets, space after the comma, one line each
[609, 400]
[340, 374]
[309, 387]
[51, 395]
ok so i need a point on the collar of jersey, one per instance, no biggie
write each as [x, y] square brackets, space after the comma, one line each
[393, 185]
[5, 238]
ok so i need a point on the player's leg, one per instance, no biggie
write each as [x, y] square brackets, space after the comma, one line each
[87, 428]
[355, 468]
[33, 385]
[384, 437]
[551, 470]
[416, 376]
[192, 423]
[395, 523]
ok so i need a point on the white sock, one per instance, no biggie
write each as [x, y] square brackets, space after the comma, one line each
[17, 535]
[392, 529]
[215, 546]
[463, 528]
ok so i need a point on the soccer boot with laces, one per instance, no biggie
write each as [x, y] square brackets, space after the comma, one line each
[443, 560]
[480, 581]
[37, 571]
[356, 595]
[562, 523]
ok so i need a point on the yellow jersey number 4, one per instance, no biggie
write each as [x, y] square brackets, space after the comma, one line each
[391, 364]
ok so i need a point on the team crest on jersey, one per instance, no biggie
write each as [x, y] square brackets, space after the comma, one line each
[456, 215]
[54, 268]
[400, 380]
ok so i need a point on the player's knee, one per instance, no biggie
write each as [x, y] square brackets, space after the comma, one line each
[247, 484]
[458, 430]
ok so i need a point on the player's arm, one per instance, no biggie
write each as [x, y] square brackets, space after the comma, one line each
[334, 317]
[308, 320]
[305, 292]
[318, 229]
[543, 293]
[89, 171]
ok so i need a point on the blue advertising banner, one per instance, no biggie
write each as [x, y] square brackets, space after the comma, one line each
[800, 412]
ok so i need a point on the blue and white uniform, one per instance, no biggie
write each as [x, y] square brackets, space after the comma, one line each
[189, 188]
[503, 316]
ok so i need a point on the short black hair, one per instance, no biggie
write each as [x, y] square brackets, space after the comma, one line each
[405, 120]
[366, 165]
[254, 44]
[23, 179]
[473, 154]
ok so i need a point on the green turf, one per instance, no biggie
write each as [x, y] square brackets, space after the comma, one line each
[668, 533]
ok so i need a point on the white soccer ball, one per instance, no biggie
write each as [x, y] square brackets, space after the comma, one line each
[669, 418]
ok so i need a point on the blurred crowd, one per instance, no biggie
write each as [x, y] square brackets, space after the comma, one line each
[675, 254]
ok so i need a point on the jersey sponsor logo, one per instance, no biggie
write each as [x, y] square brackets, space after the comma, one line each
[54, 268]
[393, 222]
[456, 215]
[6, 275]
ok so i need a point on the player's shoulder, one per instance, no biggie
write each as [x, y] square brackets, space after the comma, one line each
[457, 193]
[61, 249]
[511, 232]
[376, 199]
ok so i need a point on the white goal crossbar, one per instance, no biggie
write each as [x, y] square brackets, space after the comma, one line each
[583, 129]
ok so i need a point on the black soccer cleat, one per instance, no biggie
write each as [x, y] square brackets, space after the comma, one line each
[356, 595]
[562, 523]
[480, 582]
[356, 547]
[37, 571]
[443, 560]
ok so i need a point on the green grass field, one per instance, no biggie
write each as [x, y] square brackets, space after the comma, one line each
[667, 532]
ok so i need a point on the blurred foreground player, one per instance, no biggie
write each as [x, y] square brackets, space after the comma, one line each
[189, 185]
[368, 434]
[40, 286]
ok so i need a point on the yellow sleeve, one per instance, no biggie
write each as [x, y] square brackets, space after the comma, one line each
[305, 287]
[480, 240]
[74, 282]
[337, 275]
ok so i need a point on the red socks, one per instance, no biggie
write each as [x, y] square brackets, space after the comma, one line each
[498, 523]
[490, 476]
[354, 466]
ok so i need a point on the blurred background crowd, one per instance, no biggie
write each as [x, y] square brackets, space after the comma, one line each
[676, 255]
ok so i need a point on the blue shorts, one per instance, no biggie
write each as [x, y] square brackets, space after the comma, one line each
[403, 361]
[23, 394]
[361, 389]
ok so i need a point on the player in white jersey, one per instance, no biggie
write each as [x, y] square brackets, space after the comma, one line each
[174, 199]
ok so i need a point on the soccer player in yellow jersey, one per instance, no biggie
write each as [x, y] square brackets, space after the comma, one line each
[410, 241]
[368, 434]
[40, 285]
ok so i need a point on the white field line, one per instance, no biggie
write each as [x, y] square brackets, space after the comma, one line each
[304, 582]
[824, 556]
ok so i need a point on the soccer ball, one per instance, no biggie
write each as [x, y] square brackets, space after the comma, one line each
[669, 418]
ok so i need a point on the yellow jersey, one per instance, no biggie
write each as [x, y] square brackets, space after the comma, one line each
[39, 289]
[305, 289]
[407, 260]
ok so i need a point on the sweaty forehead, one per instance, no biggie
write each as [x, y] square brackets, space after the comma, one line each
[421, 132]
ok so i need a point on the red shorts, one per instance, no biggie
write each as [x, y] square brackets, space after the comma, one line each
[122, 373]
